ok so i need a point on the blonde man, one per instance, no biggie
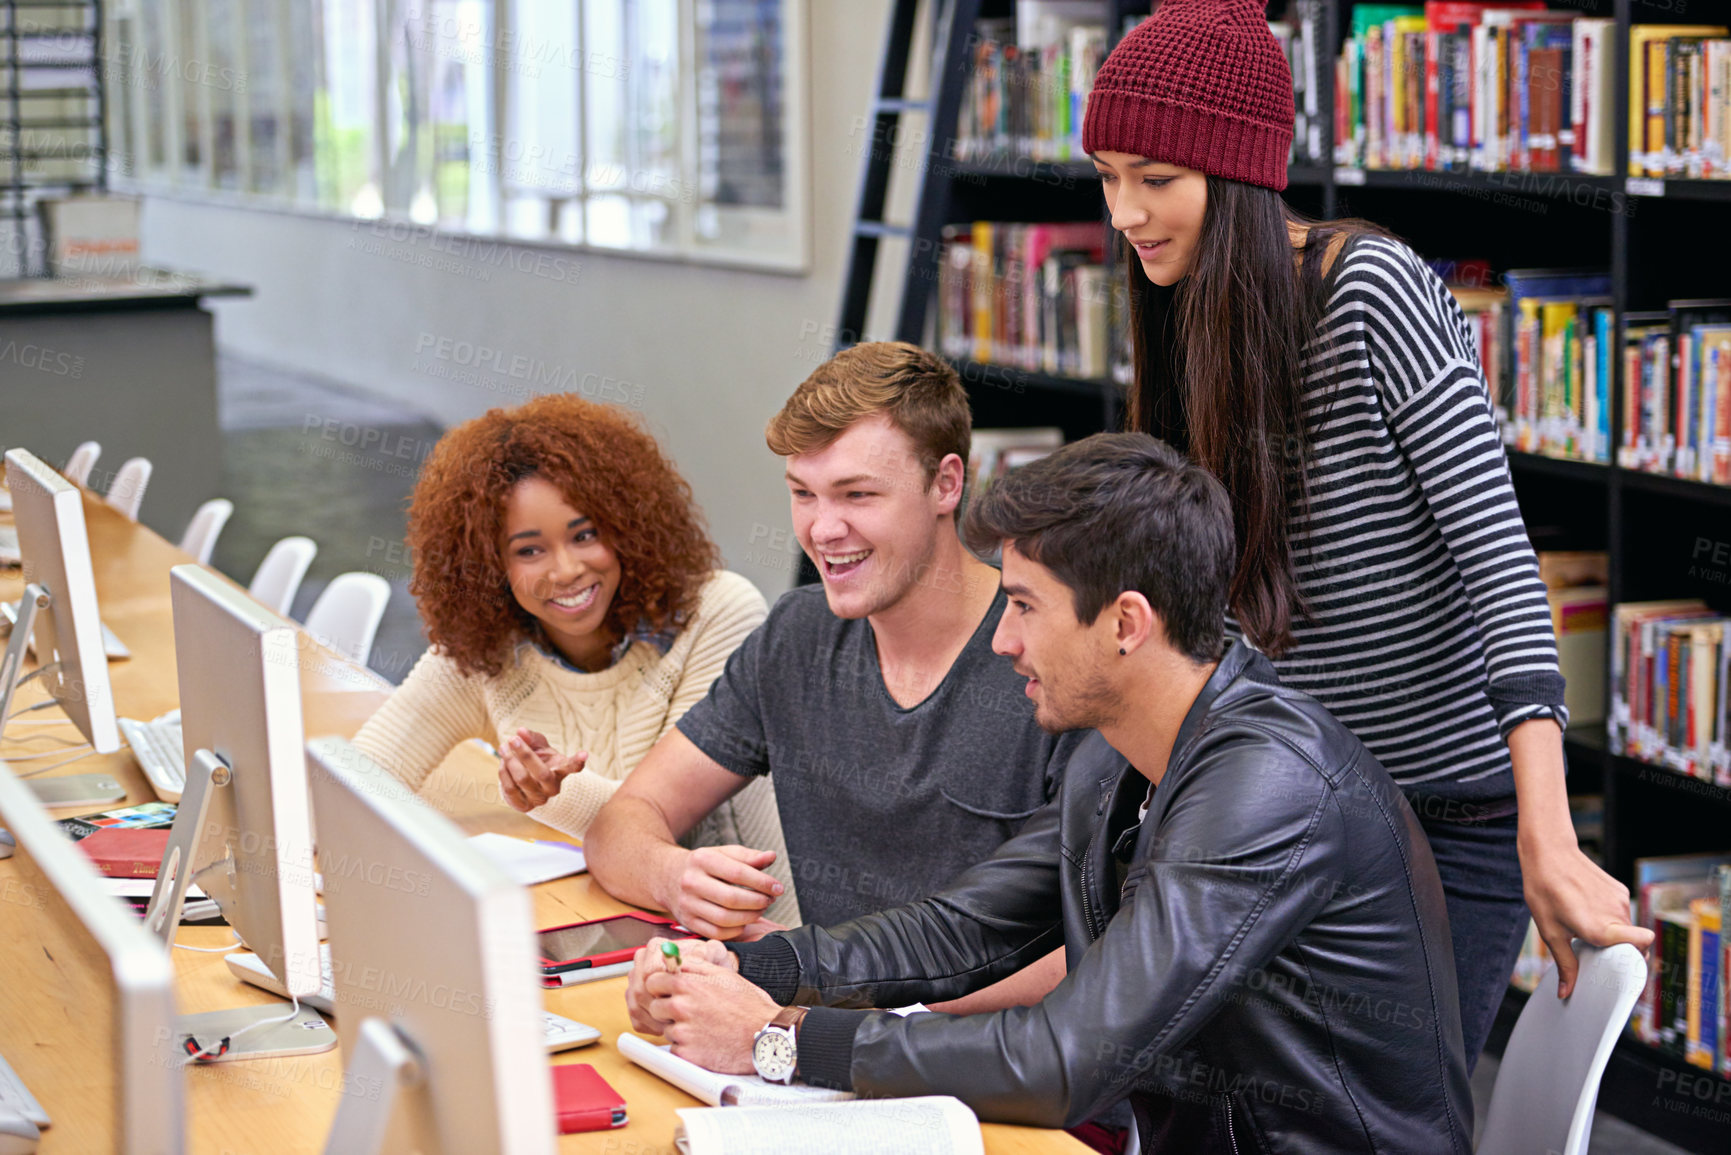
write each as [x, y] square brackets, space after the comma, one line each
[902, 749]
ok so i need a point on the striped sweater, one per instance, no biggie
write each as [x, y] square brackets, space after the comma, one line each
[1429, 634]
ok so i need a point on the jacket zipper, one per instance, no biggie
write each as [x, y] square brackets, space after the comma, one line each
[1231, 1131]
[1087, 903]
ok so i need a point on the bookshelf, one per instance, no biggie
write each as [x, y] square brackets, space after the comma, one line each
[1661, 239]
[53, 135]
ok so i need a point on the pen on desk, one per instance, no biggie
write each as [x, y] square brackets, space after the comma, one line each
[670, 956]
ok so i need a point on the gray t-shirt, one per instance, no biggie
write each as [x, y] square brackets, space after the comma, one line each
[880, 805]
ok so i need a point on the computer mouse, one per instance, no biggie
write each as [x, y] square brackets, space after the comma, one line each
[7, 844]
[18, 1135]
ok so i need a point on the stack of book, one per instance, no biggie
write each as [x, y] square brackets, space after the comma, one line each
[1031, 296]
[1555, 395]
[1679, 101]
[1452, 86]
[1575, 586]
[1030, 83]
[1677, 391]
[1685, 900]
[1668, 687]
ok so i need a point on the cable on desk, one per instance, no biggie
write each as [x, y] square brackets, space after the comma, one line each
[88, 751]
[238, 941]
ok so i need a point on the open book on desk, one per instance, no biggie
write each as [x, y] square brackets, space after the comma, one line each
[715, 1089]
[932, 1125]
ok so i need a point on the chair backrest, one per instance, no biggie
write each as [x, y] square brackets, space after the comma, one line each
[1549, 1078]
[279, 575]
[346, 615]
[127, 492]
[205, 527]
[82, 461]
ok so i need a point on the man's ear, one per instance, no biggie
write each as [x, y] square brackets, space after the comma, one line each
[947, 485]
[1134, 622]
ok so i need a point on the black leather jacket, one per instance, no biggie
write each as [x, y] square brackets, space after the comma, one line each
[1275, 977]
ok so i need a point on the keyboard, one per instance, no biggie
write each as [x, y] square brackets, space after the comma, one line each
[558, 1032]
[156, 746]
[16, 1097]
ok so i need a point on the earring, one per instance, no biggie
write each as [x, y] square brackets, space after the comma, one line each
[1122, 652]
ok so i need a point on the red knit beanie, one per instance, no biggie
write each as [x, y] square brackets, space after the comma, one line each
[1202, 84]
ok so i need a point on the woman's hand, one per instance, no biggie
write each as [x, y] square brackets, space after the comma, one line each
[1567, 894]
[531, 772]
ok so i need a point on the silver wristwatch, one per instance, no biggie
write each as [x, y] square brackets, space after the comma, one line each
[775, 1049]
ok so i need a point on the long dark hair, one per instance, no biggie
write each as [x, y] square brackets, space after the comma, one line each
[1219, 361]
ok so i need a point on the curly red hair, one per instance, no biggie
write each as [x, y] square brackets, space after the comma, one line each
[606, 466]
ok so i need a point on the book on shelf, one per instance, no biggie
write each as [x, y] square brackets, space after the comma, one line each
[1559, 569]
[1679, 90]
[1030, 296]
[995, 453]
[1669, 669]
[1299, 33]
[1671, 896]
[1700, 1041]
[1452, 86]
[1554, 396]
[1677, 391]
[1031, 75]
[1029, 83]
[1578, 618]
[929, 1125]
[1721, 1046]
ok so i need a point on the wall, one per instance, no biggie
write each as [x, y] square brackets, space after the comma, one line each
[708, 354]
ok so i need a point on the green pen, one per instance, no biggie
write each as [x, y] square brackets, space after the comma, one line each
[670, 956]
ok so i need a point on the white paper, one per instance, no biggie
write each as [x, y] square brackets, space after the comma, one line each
[930, 1125]
[143, 888]
[530, 862]
[719, 1090]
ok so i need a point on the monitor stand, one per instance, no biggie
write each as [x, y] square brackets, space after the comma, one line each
[394, 1115]
[220, 1032]
[35, 599]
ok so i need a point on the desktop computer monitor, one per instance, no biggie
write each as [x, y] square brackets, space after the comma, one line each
[59, 609]
[243, 832]
[434, 946]
[87, 998]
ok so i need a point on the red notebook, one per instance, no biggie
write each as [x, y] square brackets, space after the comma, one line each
[583, 1100]
[126, 852]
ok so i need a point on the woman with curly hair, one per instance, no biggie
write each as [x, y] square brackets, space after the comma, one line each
[576, 609]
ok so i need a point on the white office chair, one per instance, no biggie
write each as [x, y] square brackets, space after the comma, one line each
[278, 577]
[127, 492]
[346, 615]
[82, 461]
[1549, 1078]
[205, 527]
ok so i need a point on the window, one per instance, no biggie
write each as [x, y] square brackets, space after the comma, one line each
[669, 127]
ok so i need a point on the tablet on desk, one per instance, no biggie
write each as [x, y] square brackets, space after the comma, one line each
[576, 952]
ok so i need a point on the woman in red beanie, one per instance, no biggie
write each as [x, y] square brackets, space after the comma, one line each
[1324, 373]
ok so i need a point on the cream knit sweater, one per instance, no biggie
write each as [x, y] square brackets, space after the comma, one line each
[616, 714]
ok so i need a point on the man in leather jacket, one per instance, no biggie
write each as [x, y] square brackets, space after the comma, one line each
[1257, 949]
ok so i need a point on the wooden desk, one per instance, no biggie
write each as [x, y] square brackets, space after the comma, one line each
[271, 1106]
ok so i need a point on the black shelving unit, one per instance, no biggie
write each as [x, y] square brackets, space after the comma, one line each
[43, 40]
[1660, 239]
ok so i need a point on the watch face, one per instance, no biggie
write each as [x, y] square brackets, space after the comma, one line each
[773, 1054]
